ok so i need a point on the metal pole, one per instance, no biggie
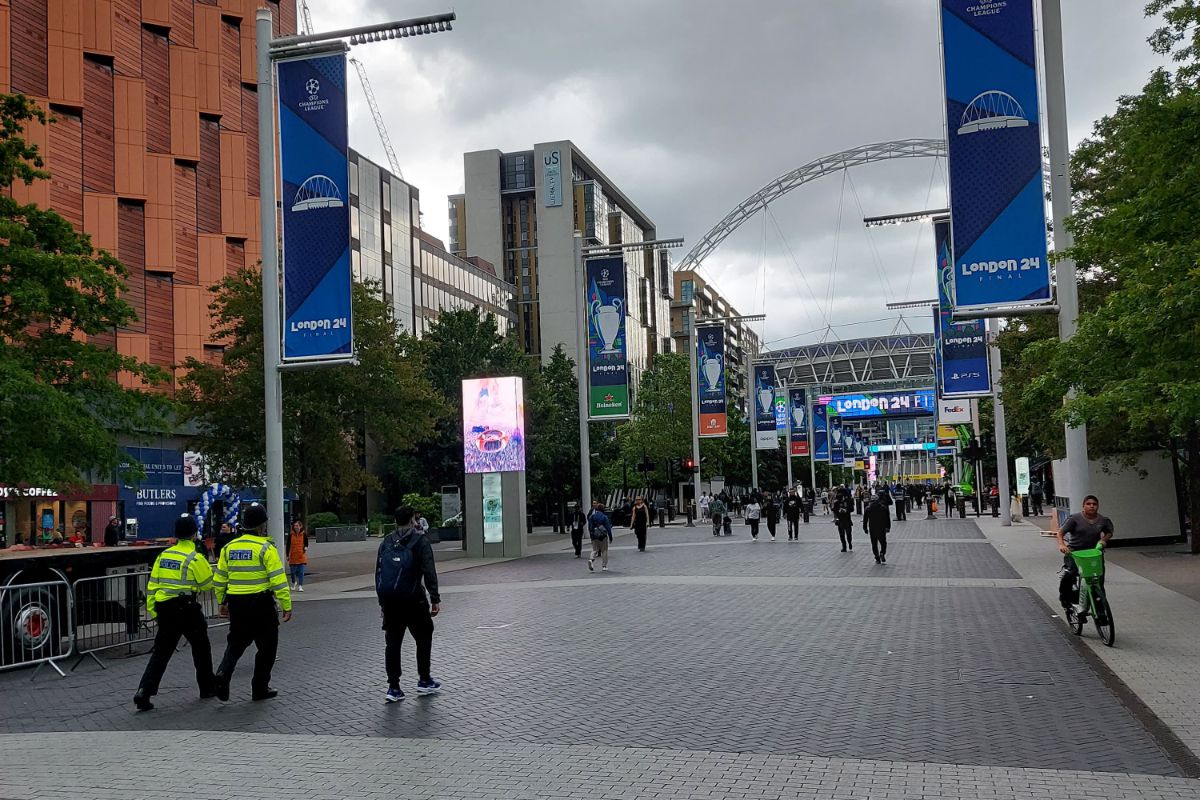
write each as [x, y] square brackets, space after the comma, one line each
[752, 421]
[810, 401]
[1076, 483]
[272, 380]
[581, 333]
[693, 379]
[787, 442]
[1001, 440]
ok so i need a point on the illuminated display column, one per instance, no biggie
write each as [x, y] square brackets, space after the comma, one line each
[494, 463]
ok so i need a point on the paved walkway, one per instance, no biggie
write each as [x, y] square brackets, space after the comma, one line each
[705, 668]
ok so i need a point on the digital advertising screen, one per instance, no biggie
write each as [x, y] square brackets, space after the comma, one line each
[914, 403]
[493, 425]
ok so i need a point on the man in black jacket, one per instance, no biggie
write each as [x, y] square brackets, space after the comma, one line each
[413, 609]
[791, 511]
[877, 522]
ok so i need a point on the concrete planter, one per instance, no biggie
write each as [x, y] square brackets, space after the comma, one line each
[344, 533]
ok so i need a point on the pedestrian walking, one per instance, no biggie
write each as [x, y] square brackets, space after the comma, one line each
[771, 514]
[791, 512]
[1036, 497]
[876, 523]
[705, 501]
[716, 510]
[901, 504]
[845, 523]
[112, 532]
[407, 587]
[754, 517]
[578, 523]
[600, 531]
[640, 521]
[297, 549]
[178, 578]
[249, 583]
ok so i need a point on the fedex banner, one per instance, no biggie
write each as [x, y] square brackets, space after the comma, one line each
[608, 360]
[798, 408]
[960, 348]
[766, 435]
[313, 142]
[995, 154]
[710, 380]
[820, 432]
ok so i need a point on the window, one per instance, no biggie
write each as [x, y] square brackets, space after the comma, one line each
[687, 290]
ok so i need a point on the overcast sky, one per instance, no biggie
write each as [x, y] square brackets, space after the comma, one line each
[693, 105]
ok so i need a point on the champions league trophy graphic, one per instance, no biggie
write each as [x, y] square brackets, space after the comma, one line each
[607, 320]
[798, 418]
[836, 435]
[766, 399]
[711, 368]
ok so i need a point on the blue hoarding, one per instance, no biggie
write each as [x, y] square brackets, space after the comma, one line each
[820, 432]
[837, 445]
[798, 408]
[315, 197]
[158, 499]
[914, 403]
[766, 435]
[995, 154]
[960, 348]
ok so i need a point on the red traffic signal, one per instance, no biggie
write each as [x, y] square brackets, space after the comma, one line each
[688, 464]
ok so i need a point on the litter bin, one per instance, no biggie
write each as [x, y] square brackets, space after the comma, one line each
[962, 507]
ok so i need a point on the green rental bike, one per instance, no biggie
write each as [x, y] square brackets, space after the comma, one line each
[1092, 600]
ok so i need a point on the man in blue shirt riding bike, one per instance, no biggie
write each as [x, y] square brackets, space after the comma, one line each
[1082, 531]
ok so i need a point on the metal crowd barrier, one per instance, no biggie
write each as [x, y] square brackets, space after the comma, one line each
[37, 624]
[110, 612]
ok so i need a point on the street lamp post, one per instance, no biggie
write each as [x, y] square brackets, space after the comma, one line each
[267, 50]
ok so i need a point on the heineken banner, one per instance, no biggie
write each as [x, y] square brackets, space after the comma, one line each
[994, 149]
[766, 437]
[710, 388]
[837, 444]
[608, 359]
[960, 348]
[313, 142]
[820, 431]
[798, 408]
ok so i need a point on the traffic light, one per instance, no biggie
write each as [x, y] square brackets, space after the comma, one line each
[687, 464]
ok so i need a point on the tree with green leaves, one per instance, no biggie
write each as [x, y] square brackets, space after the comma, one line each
[328, 413]
[63, 410]
[660, 426]
[552, 436]
[1133, 359]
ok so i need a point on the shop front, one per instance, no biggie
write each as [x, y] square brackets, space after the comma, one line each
[33, 515]
[151, 505]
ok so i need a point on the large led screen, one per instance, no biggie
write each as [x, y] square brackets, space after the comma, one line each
[493, 425]
[914, 403]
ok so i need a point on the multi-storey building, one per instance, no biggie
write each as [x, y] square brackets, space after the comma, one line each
[520, 210]
[153, 152]
[448, 283]
[697, 299]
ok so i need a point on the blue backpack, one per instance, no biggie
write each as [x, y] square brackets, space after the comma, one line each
[396, 575]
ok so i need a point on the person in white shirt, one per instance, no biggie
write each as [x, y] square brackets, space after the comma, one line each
[422, 524]
[754, 516]
[705, 500]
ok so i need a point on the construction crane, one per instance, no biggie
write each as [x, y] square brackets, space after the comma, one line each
[306, 25]
[383, 134]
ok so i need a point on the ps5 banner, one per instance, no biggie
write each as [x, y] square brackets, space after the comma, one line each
[313, 140]
[820, 432]
[710, 388]
[798, 408]
[766, 435]
[995, 154]
[608, 360]
[960, 348]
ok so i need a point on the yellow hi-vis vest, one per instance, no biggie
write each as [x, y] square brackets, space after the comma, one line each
[250, 564]
[179, 570]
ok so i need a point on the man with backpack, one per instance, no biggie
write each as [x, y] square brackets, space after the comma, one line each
[600, 531]
[406, 584]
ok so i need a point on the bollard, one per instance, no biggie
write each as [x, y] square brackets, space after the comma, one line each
[662, 518]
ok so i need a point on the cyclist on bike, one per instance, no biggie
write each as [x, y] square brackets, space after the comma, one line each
[1082, 531]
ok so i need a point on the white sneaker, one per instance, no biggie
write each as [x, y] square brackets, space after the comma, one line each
[300, 589]
[604, 569]
[772, 538]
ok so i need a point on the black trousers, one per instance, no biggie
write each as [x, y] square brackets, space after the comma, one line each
[753, 527]
[878, 543]
[771, 523]
[252, 620]
[577, 540]
[398, 618]
[1037, 505]
[845, 530]
[640, 533]
[793, 527]
[181, 617]
[900, 509]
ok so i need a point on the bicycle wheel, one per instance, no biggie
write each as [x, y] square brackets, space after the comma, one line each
[1105, 626]
[1074, 621]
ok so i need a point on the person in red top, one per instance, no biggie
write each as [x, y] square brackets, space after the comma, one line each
[297, 554]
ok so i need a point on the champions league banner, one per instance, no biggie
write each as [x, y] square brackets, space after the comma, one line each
[766, 435]
[313, 142]
[798, 408]
[710, 366]
[837, 444]
[820, 427]
[995, 154]
[608, 360]
[960, 348]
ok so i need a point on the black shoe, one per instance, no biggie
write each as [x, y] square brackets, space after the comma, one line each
[142, 701]
[877, 561]
[843, 549]
[221, 687]
[267, 695]
[208, 694]
[851, 546]
[882, 558]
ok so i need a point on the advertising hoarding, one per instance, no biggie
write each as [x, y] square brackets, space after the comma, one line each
[961, 358]
[552, 178]
[798, 408]
[837, 445]
[493, 508]
[315, 200]
[493, 425]
[994, 149]
[710, 380]
[820, 432]
[766, 436]
[915, 403]
[608, 358]
[1022, 476]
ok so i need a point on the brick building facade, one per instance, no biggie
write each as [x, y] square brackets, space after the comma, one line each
[153, 150]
